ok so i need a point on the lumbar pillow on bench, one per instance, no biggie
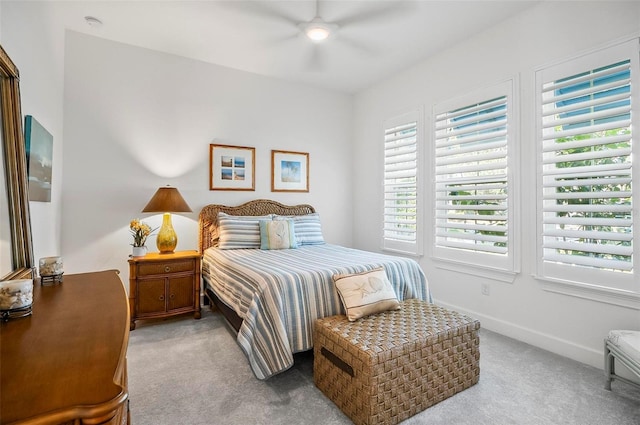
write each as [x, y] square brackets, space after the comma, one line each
[366, 293]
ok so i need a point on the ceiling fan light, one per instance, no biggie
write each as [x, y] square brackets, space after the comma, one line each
[317, 32]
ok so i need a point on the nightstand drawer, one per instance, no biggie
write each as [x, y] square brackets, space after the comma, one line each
[164, 267]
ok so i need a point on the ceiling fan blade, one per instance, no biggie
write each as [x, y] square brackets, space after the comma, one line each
[316, 59]
[262, 9]
[351, 42]
[273, 41]
[371, 14]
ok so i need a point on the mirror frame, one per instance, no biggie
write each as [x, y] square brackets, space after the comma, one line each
[15, 163]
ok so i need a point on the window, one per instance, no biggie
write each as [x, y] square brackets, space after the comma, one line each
[402, 221]
[473, 197]
[587, 111]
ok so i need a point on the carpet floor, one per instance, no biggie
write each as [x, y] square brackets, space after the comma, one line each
[189, 372]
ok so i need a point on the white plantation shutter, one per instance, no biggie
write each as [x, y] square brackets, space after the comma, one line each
[472, 205]
[587, 184]
[401, 207]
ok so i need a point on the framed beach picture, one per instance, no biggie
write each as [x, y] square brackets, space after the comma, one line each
[39, 147]
[289, 171]
[231, 167]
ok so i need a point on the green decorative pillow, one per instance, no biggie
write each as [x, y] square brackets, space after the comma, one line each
[366, 293]
[277, 234]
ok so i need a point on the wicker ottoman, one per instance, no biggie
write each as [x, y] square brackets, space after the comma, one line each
[387, 367]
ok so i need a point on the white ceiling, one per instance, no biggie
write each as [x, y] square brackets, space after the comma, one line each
[375, 38]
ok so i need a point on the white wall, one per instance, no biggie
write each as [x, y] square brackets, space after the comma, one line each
[122, 106]
[551, 31]
[137, 119]
[37, 50]
[150, 124]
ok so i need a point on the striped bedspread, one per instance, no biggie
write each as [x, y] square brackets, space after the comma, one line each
[280, 293]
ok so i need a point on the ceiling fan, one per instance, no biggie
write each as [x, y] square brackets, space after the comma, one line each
[318, 30]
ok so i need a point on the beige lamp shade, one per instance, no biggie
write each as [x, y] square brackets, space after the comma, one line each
[167, 200]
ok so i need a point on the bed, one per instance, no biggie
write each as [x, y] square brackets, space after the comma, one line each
[271, 297]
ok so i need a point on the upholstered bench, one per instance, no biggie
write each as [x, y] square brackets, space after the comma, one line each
[625, 347]
[386, 367]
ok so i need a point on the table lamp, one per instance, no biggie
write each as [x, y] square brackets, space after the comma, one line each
[166, 200]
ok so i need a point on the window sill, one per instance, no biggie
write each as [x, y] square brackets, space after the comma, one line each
[617, 297]
[475, 270]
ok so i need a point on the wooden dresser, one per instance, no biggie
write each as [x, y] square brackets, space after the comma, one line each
[66, 363]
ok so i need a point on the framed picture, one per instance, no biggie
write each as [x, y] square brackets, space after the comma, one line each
[289, 171]
[232, 167]
[39, 147]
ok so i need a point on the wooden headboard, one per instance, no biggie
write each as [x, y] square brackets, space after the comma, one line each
[208, 220]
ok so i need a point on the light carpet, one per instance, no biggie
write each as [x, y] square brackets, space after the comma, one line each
[189, 372]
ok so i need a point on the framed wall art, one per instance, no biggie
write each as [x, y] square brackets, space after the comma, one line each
[232, 167]
[289, 171]
[39, 147]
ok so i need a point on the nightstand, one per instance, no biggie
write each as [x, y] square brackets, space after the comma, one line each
[163, 285]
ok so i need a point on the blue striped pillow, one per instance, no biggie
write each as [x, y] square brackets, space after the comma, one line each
[307, 228]
[239, 232]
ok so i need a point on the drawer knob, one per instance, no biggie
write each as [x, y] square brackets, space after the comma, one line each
[172, 296]
[167, 269]
[161, 298]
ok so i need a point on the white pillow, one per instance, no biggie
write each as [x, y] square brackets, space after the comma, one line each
[239, 231]
[277, 234]
[366, 293]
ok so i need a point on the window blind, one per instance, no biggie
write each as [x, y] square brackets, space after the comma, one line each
[587, 169]
[471, 179]
[400, 231]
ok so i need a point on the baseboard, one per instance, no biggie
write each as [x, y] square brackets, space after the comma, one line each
[538, 339]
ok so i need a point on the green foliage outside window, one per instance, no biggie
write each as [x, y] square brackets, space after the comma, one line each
[574, 187]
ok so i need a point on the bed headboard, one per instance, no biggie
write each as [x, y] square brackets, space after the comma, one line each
[208, 220]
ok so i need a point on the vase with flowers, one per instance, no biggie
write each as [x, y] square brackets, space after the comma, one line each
[140, 232]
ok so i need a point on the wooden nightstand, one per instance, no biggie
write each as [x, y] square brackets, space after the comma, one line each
[163, 285]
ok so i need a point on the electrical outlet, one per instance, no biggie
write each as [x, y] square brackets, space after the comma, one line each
[486, 289]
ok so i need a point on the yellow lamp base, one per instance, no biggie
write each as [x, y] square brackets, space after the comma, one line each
[167, 239]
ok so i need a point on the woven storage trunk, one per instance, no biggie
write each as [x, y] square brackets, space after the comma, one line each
[387, 367]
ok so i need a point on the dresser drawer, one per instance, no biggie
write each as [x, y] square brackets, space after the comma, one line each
[164, 267]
